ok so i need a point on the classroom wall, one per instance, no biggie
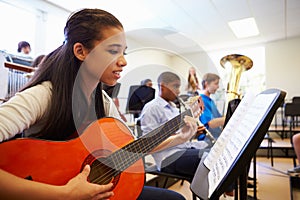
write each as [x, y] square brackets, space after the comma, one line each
[283, 66]
[143, 63]
[148, 62]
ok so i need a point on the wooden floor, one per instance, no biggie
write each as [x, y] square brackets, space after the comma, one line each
[272, 182]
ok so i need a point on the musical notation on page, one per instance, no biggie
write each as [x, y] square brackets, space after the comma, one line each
[235, 135]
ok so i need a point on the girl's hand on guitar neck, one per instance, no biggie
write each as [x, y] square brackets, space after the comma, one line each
[80, 188]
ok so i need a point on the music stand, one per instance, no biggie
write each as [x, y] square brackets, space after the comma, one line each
[200, 184]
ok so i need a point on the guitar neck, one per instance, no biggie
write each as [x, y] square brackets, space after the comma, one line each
[129, 154]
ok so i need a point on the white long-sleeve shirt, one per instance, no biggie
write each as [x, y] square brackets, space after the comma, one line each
[26, 111]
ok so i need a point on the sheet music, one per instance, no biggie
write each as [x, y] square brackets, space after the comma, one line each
[238, 130]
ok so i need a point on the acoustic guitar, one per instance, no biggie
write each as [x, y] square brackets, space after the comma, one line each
[107, 145]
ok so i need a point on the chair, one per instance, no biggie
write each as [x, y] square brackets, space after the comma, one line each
[291, 111]
[151, 169]
[138, 97]
[269, 148]
[296, 99]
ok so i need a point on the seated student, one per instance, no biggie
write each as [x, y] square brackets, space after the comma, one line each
[180, 159]
[37, 60]
[147, 82]
[211, 117]
[184, 158]
[23, 56]
[93, 52]
[24, 48]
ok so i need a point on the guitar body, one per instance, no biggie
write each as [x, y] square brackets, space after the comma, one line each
[56, 162]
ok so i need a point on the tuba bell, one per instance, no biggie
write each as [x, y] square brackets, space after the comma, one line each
[239, 63]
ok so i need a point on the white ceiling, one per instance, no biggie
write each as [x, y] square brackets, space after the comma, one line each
[194, 25]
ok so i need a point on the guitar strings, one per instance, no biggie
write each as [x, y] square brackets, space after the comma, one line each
[138, 156]
[125, 165]
[110, 173]
[130, 149]
[151, 144]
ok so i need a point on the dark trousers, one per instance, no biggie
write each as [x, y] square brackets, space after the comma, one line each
[155, 193]
[186, 163]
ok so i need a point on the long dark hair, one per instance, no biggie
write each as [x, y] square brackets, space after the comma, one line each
[61, 66]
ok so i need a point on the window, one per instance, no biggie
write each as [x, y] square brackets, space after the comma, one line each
[55, 32]
[17, 24]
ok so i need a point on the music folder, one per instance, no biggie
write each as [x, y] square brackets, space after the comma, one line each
[237, 144]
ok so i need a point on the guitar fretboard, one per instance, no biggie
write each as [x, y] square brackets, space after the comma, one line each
[129, 154]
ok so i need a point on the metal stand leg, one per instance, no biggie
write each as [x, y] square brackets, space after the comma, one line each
[243, 184]
[254, 177]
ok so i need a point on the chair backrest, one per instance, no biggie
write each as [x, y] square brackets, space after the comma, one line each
[292, 109]
[131, 91]
[296, 99]
[138, 97]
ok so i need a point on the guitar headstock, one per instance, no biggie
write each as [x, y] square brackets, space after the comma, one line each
[195, 103]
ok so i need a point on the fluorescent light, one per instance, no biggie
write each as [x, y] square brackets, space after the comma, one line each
[244, 28]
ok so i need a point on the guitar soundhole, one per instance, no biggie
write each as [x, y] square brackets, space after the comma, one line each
[102, 171]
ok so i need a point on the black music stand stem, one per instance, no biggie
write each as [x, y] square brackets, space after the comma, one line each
[243, 184]
[241, 191]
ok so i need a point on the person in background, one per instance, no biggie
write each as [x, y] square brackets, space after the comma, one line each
[182, 158]
[24, 48]
[37, 61]
[211, 118]
[193, 83]
[147, 82]
[22, 56]
[64, 96]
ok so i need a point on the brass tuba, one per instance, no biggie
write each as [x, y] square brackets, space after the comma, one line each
[239, 63]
